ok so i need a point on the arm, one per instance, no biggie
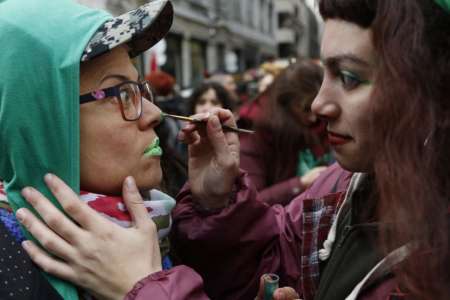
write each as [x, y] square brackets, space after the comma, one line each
[282, 192]
[231, 248]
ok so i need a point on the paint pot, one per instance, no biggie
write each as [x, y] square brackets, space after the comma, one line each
[270, 285]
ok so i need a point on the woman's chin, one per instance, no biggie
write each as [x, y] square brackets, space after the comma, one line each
[149, 182]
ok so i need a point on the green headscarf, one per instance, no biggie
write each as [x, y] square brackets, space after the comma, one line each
[42, 42]
[445, 4]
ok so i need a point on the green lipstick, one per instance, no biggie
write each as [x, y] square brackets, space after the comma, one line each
[153, 149]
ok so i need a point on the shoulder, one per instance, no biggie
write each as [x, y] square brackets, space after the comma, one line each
[333, 180]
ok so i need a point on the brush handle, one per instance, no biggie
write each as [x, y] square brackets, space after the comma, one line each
[235, 129]
[224, 127]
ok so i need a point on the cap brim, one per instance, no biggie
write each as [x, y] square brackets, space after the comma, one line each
[139, 29]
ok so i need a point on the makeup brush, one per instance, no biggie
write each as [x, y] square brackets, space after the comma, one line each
[193, 120]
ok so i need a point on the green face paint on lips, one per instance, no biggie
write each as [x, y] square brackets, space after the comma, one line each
[153, 149]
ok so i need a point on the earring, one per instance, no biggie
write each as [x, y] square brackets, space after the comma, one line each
[427, 140]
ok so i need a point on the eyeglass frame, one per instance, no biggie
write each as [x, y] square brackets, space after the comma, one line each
[114, 91]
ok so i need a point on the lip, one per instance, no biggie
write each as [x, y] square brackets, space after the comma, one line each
[153, 149]
[336, 139]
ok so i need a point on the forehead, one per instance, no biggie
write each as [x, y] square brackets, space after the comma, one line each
[209, 94]
[115, 62]
[341, 38]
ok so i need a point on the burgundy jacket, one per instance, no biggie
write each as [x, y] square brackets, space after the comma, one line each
[233, 247]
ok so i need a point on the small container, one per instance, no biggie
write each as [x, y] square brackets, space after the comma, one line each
[270, 285]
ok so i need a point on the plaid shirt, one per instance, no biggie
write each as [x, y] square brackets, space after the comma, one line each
[318, 217]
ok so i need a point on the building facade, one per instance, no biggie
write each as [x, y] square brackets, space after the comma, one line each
[298, 28]
[211, 36]
[220, 36]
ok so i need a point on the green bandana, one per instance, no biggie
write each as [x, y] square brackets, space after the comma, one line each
[39, 96]
[445, 4]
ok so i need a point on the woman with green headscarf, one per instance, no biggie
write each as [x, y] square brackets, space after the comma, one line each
[73, 108]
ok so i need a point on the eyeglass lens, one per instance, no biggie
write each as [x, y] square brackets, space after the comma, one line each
[130, 97]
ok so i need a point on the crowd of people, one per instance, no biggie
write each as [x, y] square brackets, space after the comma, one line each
[287, 133]
[342, 191]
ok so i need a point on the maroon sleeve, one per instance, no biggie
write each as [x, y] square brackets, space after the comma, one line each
[179, 283]
[281, 193]
[232, 248]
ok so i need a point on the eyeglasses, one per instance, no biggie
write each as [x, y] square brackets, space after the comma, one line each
[129, 93]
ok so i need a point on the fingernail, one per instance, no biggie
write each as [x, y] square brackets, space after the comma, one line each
[48, 178]
[20, 215]
[27, 192]
[25, 244]
[203, 116]
[131, 185]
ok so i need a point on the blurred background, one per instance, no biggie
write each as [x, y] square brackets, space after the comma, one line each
[227, 36]
[257, 58]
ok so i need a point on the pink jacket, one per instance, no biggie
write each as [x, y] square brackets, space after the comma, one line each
[233, 247]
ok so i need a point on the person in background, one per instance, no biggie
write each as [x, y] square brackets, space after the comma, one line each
[174, 155]
[207, 96]
[163, 86]
[228, 82]
[287, 154]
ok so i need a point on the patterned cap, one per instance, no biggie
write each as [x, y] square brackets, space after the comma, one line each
[140, 29]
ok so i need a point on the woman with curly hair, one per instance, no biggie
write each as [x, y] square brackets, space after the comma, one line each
[289, 149]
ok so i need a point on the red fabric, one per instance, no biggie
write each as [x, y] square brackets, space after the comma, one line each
[253, 110]
[161, 82]
[2, 189]
[179, 283]
[112, 206]
[233, 248]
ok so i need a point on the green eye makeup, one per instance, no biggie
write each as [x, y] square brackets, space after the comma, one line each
[348, 77]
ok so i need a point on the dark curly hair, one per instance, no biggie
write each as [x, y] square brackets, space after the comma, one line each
[223, 96]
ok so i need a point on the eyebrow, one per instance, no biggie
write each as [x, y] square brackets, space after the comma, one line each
[335, 60]
[115, 76]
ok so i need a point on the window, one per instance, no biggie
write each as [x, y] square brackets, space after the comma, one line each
[284, 20]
